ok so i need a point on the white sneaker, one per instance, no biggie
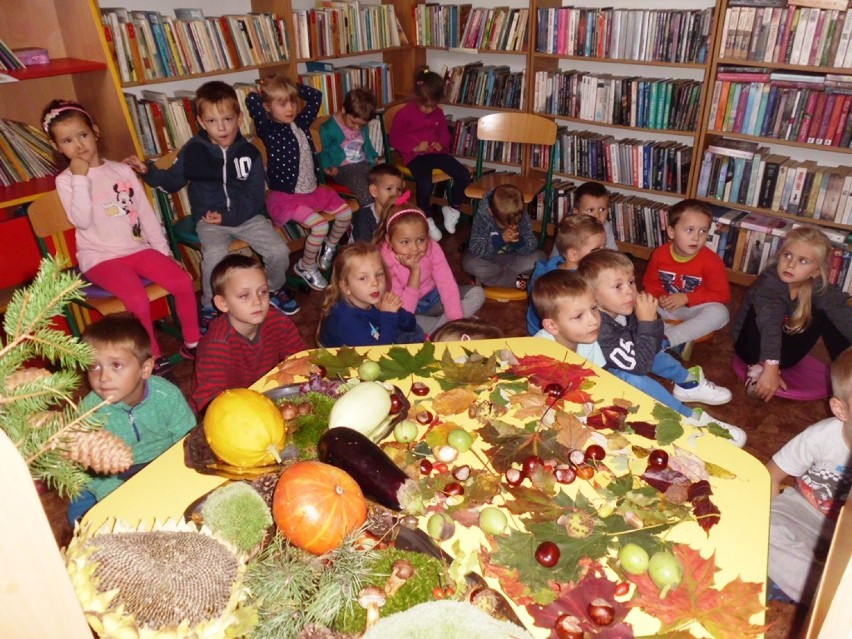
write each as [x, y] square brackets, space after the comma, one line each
[451, 218]
[312, 276]
[705, 392]
[702, 419]
[434, 231]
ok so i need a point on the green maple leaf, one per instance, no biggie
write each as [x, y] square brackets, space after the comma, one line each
[538, 504]
[668, 424]
[338, 363]
[475, 370]
[399, 362]
[483, 487]
[496, 396]
[510, 444]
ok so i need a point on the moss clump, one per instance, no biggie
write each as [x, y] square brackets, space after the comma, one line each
[238, 514]
[304, 431]
[428, 573]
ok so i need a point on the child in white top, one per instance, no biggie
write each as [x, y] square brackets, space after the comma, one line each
[120, 242]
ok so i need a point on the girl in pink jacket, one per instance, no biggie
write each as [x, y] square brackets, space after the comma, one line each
[419, 272]
[120, 242]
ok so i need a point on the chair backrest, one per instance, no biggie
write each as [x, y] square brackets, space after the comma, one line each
[523, 128]
[165, 161]
[47, 216]
[315, 131]
[260, 147]
[386, 118]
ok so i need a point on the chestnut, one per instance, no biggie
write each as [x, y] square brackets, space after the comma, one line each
[514, 477]
[568, 627]
[564, 474]
[462, 473]
[305, 408]
[554, 390]
[577, 457]
[425, 467]
[420, 389]
[454, 488]
[423, 417]
[601, 612]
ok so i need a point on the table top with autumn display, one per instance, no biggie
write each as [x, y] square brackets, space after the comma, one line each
[509, 475]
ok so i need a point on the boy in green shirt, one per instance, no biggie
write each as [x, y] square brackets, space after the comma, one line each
[148, 412]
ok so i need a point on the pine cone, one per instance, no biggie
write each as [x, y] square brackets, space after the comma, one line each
[99, 450]
[380, 520]
[41, 418]
[24, 376]
[265, 486]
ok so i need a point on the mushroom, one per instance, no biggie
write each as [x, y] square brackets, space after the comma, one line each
[372, 599]
[400, 573]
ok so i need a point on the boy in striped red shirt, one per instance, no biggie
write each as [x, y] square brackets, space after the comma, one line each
[246, 341]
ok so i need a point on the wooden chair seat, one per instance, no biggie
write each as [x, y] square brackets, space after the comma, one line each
[529, 186]
[500, 294]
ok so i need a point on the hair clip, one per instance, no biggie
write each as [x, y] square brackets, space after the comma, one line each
[51, 115]
[403, 198]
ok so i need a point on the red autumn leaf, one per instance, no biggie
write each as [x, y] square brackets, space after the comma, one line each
[645, 429]
[723, 612]
[542, 370]
[509, 580]
[575, 599]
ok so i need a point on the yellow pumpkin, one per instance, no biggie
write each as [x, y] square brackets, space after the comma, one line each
[244, 428]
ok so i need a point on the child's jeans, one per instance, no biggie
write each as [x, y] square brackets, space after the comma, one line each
[667, 367]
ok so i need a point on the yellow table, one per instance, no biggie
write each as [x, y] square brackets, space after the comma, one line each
[166, 487]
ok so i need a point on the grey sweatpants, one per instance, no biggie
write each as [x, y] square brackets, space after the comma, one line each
[696, 321]
[259, 234]
[500, 270]
[472, 299]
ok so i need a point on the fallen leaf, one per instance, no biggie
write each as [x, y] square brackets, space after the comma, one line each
[473, 371]
[724, 612]
[542, 370]
[288, 370]
[532, 403]
[340, 362]
[453, 402]
[571, 432]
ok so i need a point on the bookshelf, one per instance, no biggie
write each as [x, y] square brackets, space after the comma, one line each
[775, 136]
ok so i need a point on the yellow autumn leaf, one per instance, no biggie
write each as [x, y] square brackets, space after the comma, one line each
[453, 402]
[288, 370]
[532, 403]
[572, 432]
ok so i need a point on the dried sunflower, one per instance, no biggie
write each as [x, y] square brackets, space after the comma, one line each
[173, 580]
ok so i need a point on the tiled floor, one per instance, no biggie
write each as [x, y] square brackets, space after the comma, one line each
[769, 426]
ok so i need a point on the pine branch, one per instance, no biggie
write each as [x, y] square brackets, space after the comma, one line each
[78, 423]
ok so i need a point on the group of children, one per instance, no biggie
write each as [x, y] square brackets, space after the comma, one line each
[393, 284]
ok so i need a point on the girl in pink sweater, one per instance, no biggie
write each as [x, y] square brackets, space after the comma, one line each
[119, 239]
[419, 272]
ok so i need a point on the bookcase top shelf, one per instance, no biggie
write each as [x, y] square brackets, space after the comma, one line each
[189, 76]
[786, 216]
[608, 125]
[22, 192]
[644, 63]
[56, 67]
[802, 145]
[782, 65]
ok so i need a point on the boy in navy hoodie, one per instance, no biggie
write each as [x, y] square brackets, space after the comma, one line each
[227, 189]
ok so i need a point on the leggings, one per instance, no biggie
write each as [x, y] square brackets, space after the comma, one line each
[794, 348]
[122, 277]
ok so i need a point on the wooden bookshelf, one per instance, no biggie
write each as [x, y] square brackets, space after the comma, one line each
[60, 66]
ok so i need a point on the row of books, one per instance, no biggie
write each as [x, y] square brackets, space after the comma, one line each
[464, 143]
[147, 45]
[336, 82]
[807, 36]
[661, 166]
[486, 85]
[651, 103]
[164, 123]
[650, 35]
[561, 202]
[8, 60]
[342, 27]
[25, 153]
[452, 26]
[742, 172]
[777, 106]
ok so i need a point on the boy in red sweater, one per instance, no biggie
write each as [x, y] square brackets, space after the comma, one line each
[687, 278]
[246, 340]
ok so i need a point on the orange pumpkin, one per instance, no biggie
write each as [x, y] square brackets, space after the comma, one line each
[316, 505]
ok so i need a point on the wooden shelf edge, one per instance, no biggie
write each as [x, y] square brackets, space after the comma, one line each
[649, 63]
[352, 54]
[469, 51]
[23, 192]
[206, 74]
[482, 107]
[609, 125]
[616, 185]
[770, 213]
[801, 145]
[56, 67]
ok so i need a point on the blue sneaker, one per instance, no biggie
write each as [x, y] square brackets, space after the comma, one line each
[283, 300]
[208, 314]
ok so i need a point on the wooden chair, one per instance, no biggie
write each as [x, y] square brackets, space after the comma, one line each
[520, 128]
[51, 227]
